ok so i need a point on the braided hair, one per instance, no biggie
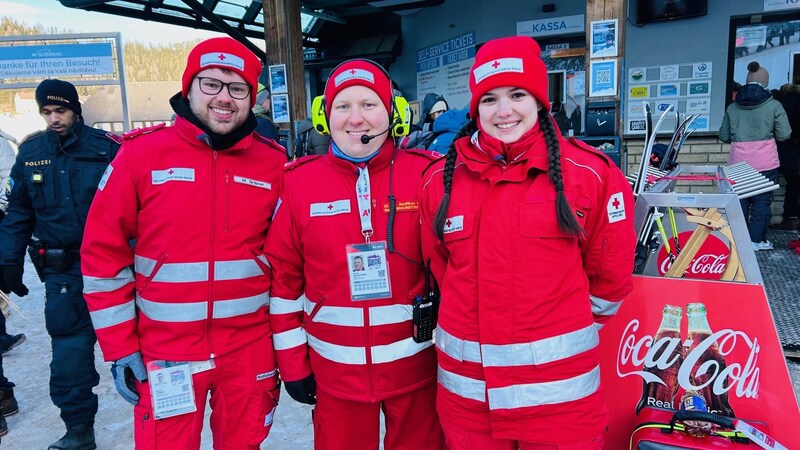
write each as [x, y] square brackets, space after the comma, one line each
[566, 219]
[449, 167]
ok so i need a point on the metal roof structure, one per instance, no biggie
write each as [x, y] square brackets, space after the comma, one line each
[330, 27]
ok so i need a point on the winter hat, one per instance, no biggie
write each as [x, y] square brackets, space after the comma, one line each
[438, 106]
[511, 61]
[358, 72]
[225, 53]
[757, 74]
[57, 92]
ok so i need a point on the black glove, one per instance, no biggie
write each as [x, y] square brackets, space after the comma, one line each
[303, 391]
[12, 280]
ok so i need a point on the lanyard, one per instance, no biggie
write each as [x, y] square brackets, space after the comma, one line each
[363, 197]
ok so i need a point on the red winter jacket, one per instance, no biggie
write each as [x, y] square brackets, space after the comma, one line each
[517, 334]
[357, 350]
[191, 222]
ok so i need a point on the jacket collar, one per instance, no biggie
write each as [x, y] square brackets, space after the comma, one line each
[379, 161]
[195, 136]
[485, 155]
[74, 134]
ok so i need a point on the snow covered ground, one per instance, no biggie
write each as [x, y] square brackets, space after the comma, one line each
[38, 424]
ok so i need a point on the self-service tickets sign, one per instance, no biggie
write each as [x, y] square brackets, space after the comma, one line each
[715, 338]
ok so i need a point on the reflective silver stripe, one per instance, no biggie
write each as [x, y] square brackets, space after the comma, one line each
[224, 309]
[264, 260]
[172, 312]
[182, 273]
[172, 273]
[456, 348]
[338, 353]
[93, 285]
[598, 326]
[236, 270]
[289, 339]
[463, 386]
[397, 350]
[279, 305]
[335, 315]
[603, 307]
[546, 393]
[541, 351]
[144, 265]
[114, 315]
[385, 315]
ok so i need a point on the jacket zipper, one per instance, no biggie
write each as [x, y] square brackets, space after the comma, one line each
[212, 228]
[227, 199]
[156, 268]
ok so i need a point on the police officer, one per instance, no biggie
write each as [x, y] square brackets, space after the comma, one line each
[53, 182]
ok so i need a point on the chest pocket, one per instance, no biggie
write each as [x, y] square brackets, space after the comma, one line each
[458, 226]
[42, 186]
[538, 218]
[84, 178]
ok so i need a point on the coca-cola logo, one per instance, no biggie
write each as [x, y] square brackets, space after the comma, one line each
[709, 263]
[638, 352]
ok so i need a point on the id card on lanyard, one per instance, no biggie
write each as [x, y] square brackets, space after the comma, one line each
[369, 271]
[171, 388]
[367, 263]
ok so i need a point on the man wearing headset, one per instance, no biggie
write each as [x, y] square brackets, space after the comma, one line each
[343, 337]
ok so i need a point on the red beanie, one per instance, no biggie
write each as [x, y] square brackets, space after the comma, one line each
[508, 62]
[225, 53]
[358, 72]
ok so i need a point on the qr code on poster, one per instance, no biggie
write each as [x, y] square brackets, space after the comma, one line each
[604, 76]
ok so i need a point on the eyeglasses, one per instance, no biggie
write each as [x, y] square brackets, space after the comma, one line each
[213, 86]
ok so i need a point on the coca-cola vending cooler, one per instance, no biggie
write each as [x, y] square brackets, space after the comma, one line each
[697, 323]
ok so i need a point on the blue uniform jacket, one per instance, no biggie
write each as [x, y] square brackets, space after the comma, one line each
[53, 182]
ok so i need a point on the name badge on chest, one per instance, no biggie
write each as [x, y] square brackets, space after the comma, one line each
[368, 267]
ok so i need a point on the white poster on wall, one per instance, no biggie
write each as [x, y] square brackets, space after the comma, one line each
[443, 69]
[684, 86]
[604, 39]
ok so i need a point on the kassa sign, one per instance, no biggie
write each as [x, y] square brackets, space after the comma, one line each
[713, 338]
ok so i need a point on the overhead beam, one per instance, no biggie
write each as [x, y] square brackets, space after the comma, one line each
[225, 27]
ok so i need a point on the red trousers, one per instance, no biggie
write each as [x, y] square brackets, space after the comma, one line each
[411, 422]
[459, 438]
[244, 393]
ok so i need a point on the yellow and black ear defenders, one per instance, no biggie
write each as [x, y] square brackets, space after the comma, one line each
[400, 115]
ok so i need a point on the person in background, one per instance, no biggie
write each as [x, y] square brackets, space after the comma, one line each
[7, 157]
[789, 156]
[532, 241]
[8, 403]
[192, 295]
[753, 124]
[343, 338]
[53, 182]
[262, 110]
[433, 105]
[309, 141]
[445, 128]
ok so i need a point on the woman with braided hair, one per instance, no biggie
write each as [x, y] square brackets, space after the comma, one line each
[531, 239]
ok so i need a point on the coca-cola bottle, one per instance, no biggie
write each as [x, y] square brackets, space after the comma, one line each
[667, 355]
[699, 331]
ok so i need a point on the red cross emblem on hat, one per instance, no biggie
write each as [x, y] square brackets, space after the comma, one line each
[330, 206]
[496, 64]
[171, 171]
[352, 71]
[221, 57]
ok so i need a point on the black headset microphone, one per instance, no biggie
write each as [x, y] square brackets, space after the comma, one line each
[365, 139]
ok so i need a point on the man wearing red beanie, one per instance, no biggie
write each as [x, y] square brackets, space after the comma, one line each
[174, 280]
[531, 238]
[344, 249]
